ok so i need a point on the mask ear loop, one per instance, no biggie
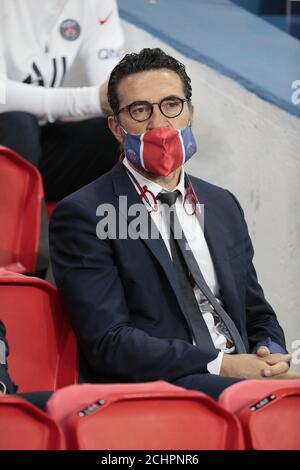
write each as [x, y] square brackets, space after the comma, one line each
[144, 193]
[123, 130]
[122, 155]
[192, 196]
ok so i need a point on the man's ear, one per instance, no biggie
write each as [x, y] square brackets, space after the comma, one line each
[115, 128]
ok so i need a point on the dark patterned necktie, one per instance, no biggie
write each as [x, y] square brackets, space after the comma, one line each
[189, 274]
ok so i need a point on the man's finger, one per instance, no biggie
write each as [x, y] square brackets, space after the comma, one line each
[289, 375]
[275, 358]
[277, 369]
[292, 375]
[263, 351]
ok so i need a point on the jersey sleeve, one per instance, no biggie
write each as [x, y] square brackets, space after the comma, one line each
[49, 104]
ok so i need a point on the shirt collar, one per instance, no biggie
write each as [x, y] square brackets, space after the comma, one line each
[151, 185]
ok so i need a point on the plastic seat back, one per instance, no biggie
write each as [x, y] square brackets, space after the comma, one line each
[235, 398]
[25, 427]
[43, 349]
[273, 423]
[21, 196]
[143, 416]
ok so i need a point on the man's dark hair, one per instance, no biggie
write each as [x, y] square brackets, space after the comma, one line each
[146, 59]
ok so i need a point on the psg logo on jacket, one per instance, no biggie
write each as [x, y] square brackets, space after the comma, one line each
[70, 30]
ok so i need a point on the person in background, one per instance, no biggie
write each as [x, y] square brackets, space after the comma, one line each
[7, 386]
[39, 44]
[6, 383]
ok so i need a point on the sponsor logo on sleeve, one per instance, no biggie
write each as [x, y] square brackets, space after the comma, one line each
[106, 54]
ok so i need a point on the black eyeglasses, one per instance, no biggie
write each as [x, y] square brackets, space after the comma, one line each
[140, 111]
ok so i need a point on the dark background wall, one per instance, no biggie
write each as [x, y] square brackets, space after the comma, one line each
[267, 7]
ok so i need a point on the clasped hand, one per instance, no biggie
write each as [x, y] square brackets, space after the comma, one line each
[263, 364]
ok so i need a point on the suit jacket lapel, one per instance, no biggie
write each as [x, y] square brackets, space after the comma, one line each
[215, 237]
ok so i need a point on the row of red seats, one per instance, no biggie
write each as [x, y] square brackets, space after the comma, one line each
[252, 414]
[150, 416]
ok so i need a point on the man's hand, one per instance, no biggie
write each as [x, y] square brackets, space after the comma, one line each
[104, 99]
[251, 366]
[272, 359]
[264, 353]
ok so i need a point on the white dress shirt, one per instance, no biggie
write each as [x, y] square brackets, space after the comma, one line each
[195, 237]
[40, 41]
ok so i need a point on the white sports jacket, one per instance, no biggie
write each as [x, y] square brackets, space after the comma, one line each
[39, 43]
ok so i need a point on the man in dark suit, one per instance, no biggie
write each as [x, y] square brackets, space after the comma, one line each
[144, 303]
[6, 384]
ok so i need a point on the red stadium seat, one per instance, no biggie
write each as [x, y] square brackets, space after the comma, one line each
[21, 196]
[43, 350]
[10, 273]
[25, 427]
[273, 423]
[152, 416]
[235, 398]
[269, 411]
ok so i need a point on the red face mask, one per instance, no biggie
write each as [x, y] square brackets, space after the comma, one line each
[161, 150]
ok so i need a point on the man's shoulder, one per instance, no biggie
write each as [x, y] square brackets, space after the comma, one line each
[222, 199]
[206, 188]
[89, 197]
